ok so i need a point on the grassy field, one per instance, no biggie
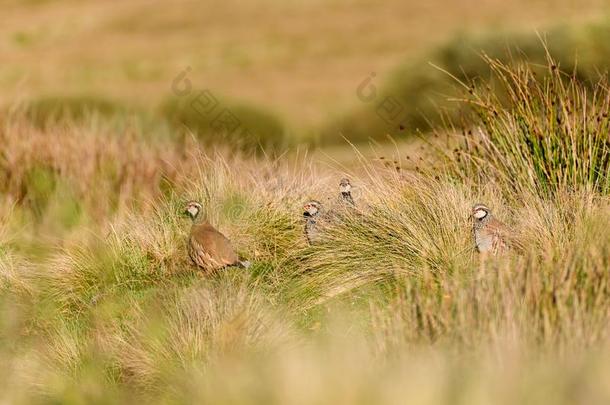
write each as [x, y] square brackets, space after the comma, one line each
[99, 302]
[101, 149]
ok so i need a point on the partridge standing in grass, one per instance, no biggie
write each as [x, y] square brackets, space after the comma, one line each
[207, 247]
[345, 187]
[490, 235]
[311, 214]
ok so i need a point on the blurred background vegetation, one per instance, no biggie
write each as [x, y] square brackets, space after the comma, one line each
[291, 69]
[104, 137]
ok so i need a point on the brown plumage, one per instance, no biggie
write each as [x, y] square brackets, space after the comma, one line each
[345, 195]
[207, 247]
[311, 215]
[490, 235]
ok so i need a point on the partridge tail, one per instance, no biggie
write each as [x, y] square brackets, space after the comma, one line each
[244, 264]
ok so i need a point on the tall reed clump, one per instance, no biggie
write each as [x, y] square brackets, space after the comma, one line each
[550, 133]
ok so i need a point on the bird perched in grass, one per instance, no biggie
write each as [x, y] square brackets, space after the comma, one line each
[345, 188]
[207, 247]
[490, 235]
[312, 217]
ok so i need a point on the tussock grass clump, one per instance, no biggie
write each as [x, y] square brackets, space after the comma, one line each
[402, 231]
[550, 134]
[202, 324]
[141, 254]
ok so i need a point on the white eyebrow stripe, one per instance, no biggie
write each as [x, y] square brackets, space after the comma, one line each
[478, 214]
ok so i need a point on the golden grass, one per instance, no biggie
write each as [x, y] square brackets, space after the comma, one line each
[392, 305]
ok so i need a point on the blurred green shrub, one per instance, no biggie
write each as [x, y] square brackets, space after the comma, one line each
[41, 182]
[243, 126]
[423, 88]
[49, 196]
[49, 110]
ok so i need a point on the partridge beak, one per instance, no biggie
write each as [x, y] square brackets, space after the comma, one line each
[306, 211]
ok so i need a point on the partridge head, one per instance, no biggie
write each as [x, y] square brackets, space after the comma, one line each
[345, 189]
[193, 208]
[311, 209]
[311, 213]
